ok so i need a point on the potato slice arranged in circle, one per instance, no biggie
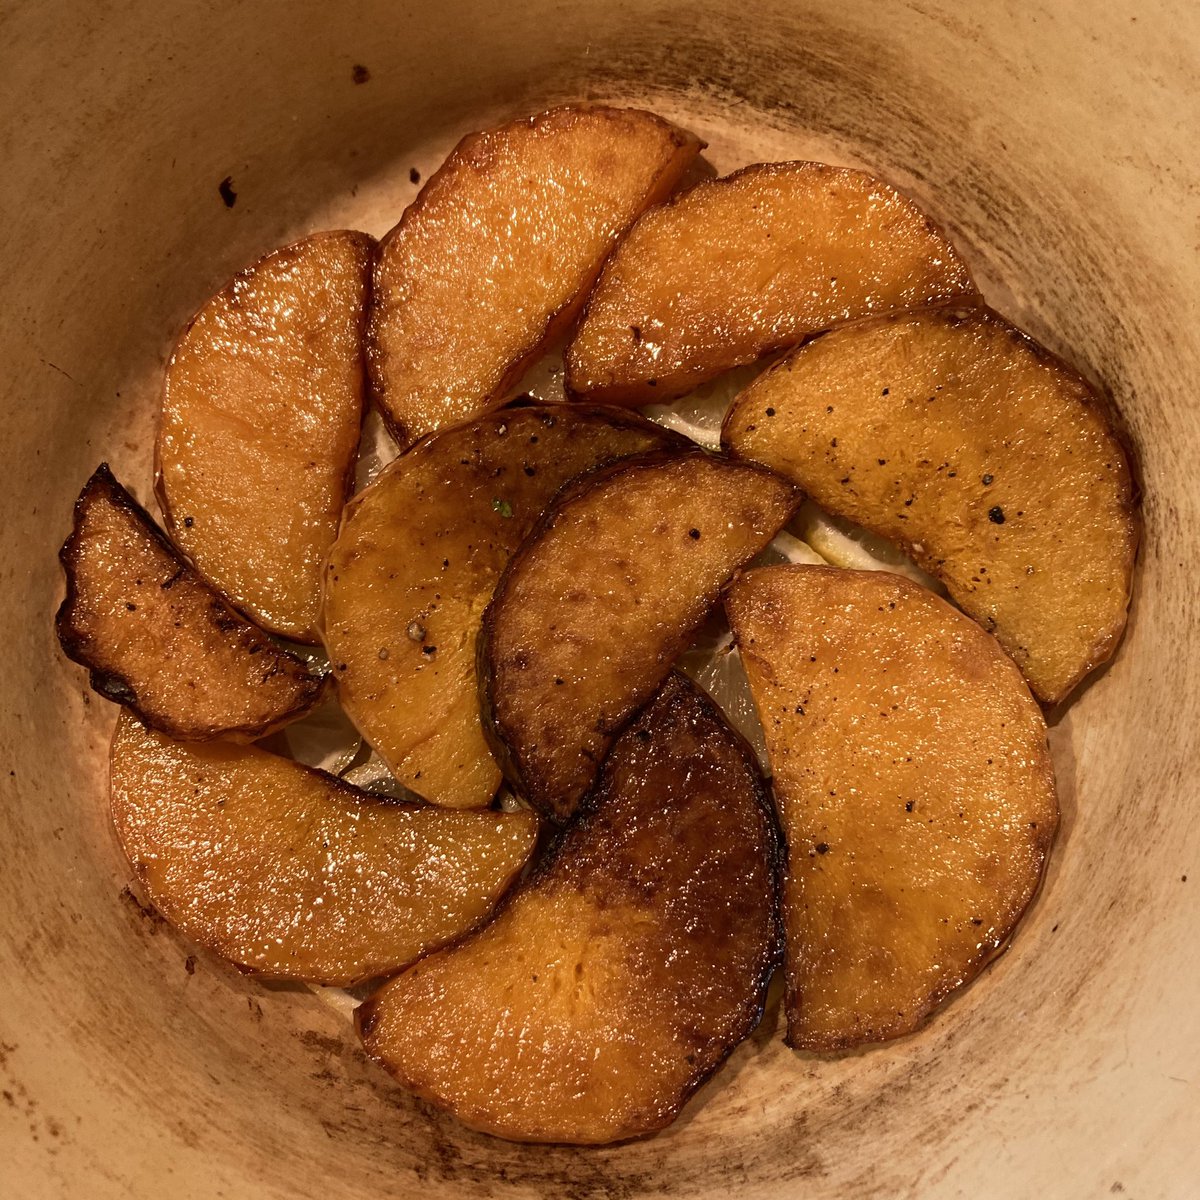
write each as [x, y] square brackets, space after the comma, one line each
[620, 975]
[293, 874]
[914, 786]
[416, 563]
[740, 266]
[260, 423]
[158, 639]
[988, 461]
[495, 257]
[601, 599]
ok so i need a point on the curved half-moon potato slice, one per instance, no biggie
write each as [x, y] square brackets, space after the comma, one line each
[617, 978]
[914, 786]
[991, 463]
[740, 266]
[293, 874]
[158, 639]
[260, 423]
[601, 599]
[416, 563]
[495, 257]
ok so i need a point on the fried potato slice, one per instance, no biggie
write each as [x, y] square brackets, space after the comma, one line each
[740, 266]
[293, 874]
[601, 599]
[495, 257]
[619, 977]
[914, 786]
[260, 423]
[158, 639]
[988, 461]
[416, 563]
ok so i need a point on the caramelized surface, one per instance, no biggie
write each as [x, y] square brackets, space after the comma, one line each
[913, 784]
[496, 255]
[750, 263]
[291, 873]
[158, 639]
[602, 598]
[416, 563]
[993, 465]
[260, 424]
[620, 976]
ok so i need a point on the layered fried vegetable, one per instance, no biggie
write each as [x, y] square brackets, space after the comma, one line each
[914, 787]
[260, 424]
[293, 874]
[618, 977]
[495, 257]
[988, 461]
[602, 598]
[740, 266]
[416, 563]
[158, 639]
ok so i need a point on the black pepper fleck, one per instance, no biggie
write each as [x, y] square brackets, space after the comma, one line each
[996, 515]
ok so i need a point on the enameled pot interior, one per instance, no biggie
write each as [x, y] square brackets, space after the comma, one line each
[1052, 141]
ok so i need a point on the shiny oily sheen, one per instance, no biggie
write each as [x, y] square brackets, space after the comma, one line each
[495, 257]
[952, 434]
[624, 971]
[913, 784]
[260, 424]
[158, 639]
[416, 563]
[289, 872]
[740, 266]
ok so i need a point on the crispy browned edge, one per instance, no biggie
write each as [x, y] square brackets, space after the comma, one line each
[494, 733]
[160, 491]
[366, 1015]
[362, 797]
[116, 687]
[467, 147]
[947, 989]
[1100, 402]
[772, 168]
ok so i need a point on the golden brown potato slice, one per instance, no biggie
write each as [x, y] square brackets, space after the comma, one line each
[750, 263]
[260, 423]
[952, 434]
[622, 973]
[157, 638]
[290, 872]
[602, 598]
[416, 563]
[913, 784]
[495, 257]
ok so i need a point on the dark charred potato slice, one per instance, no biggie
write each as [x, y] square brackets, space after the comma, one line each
[740, 266]
[497, 254]
[158, 639]
[622, 973]
[991, 463]
[290, 872]
[260, 424]
[416, 563]
[913, 784]
[602, 598]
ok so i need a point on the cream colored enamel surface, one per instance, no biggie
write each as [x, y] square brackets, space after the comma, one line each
[1054, 141]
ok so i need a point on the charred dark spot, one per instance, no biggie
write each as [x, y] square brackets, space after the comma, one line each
[189, 964]
[428, 649]
[636, 333]
[167, 584]
[130, 607]
[822, 847]
[414, 176]
[360, 74]
[225, 187]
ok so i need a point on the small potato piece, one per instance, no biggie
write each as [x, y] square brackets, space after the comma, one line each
[495, 257]
[416, 563]
[619, 977]
[260, 422]
[601, 599]
[740, 266]
[988, 461]
[158, 639]
[913, 784]
[293, 874]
